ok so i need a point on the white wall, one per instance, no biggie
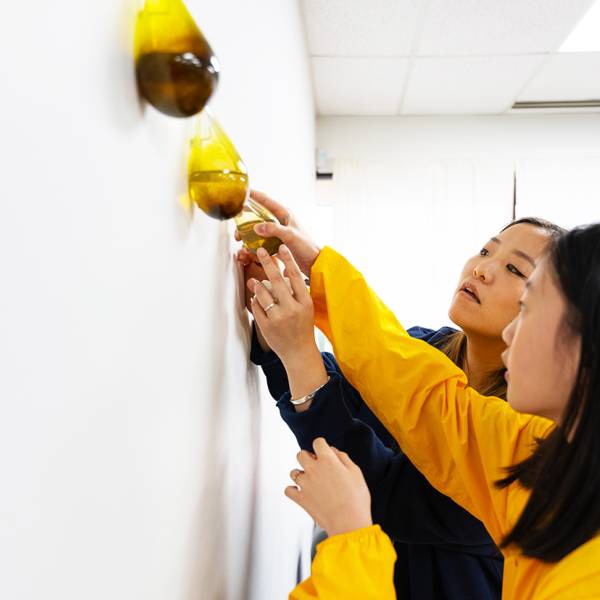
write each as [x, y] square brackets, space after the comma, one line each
[138, 458]
[412, 198]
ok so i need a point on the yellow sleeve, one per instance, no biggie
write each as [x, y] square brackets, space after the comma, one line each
[353, 566]
[458, 439]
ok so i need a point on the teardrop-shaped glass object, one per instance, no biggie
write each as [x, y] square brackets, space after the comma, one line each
[177, 71]
[217, 176]
[252, 214]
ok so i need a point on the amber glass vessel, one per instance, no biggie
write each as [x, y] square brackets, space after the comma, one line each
[252, 214]
[177, 71]
[217, 177]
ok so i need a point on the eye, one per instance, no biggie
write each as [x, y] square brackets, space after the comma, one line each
[484, 252]
[516, 271]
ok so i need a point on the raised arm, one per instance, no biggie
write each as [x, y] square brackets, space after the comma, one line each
[277, 379]
[458, 439]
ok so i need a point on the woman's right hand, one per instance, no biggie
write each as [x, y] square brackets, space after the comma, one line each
[304, 250]
[331, 489]
[252, 270]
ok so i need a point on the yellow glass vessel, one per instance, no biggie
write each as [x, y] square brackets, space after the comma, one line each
[177, 71]
[217, 176]
[252, 214]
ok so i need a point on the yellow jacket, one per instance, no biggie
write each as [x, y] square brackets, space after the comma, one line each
[458, 439]
[354, 566]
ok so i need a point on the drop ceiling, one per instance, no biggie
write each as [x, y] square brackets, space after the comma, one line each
[423, 57]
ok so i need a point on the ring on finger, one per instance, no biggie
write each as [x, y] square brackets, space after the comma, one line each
[295, 474]
[267, 296]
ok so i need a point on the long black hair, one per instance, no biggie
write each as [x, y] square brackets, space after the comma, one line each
[563, 473]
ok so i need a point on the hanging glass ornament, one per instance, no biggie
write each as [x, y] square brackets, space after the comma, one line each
[177, 71]
[217, 176]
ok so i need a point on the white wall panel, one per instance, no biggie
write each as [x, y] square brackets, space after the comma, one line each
[413, 198]
[138, 454]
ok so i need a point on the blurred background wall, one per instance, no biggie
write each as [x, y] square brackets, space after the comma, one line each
[140, 456]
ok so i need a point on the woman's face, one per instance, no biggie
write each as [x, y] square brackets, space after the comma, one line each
[543, 355]
[491, 283]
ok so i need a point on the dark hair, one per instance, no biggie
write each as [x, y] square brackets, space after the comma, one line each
[455, 345]
[563, 473]
[455, 348]
[552, 228]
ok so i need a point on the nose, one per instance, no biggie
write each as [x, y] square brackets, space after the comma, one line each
[509, 332]
[484, 271]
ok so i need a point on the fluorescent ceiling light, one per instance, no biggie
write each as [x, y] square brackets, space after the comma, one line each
[586, 35]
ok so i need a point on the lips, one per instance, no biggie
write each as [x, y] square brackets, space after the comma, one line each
[471, 291]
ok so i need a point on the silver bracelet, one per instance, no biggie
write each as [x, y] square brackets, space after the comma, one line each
[310, 396]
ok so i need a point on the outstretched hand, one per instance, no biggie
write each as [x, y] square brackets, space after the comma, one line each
[331, 489]
[304, 250]
[285, 319]
[284, 315]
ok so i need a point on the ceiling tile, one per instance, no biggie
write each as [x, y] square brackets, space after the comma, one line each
[566, 77]
[488, 27]
[359, 86]
[470, 85]
[360, 27]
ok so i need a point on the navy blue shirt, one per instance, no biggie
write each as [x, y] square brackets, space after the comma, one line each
[443, 551]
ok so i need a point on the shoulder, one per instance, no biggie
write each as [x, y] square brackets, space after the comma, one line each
[577, 575]
[431, 336]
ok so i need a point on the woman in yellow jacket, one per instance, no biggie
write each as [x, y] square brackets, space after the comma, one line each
[529, 470]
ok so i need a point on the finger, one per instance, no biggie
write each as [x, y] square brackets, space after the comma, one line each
[280, 288]
[322, 448]
[244, 252]
[269, 229]
[280, 211]
[254, 271]
[237, 235]
[294, 476]
[306, 459]
[344, 458]
[259, 314]
[293, 493]
[294, 274]
[264, 297]
[243, 258]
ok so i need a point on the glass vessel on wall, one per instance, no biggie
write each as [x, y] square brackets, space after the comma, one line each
[252, 214]
[177, 71]
[217, 176]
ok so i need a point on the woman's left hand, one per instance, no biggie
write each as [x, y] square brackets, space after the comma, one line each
[286, 320]
[331, 489]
